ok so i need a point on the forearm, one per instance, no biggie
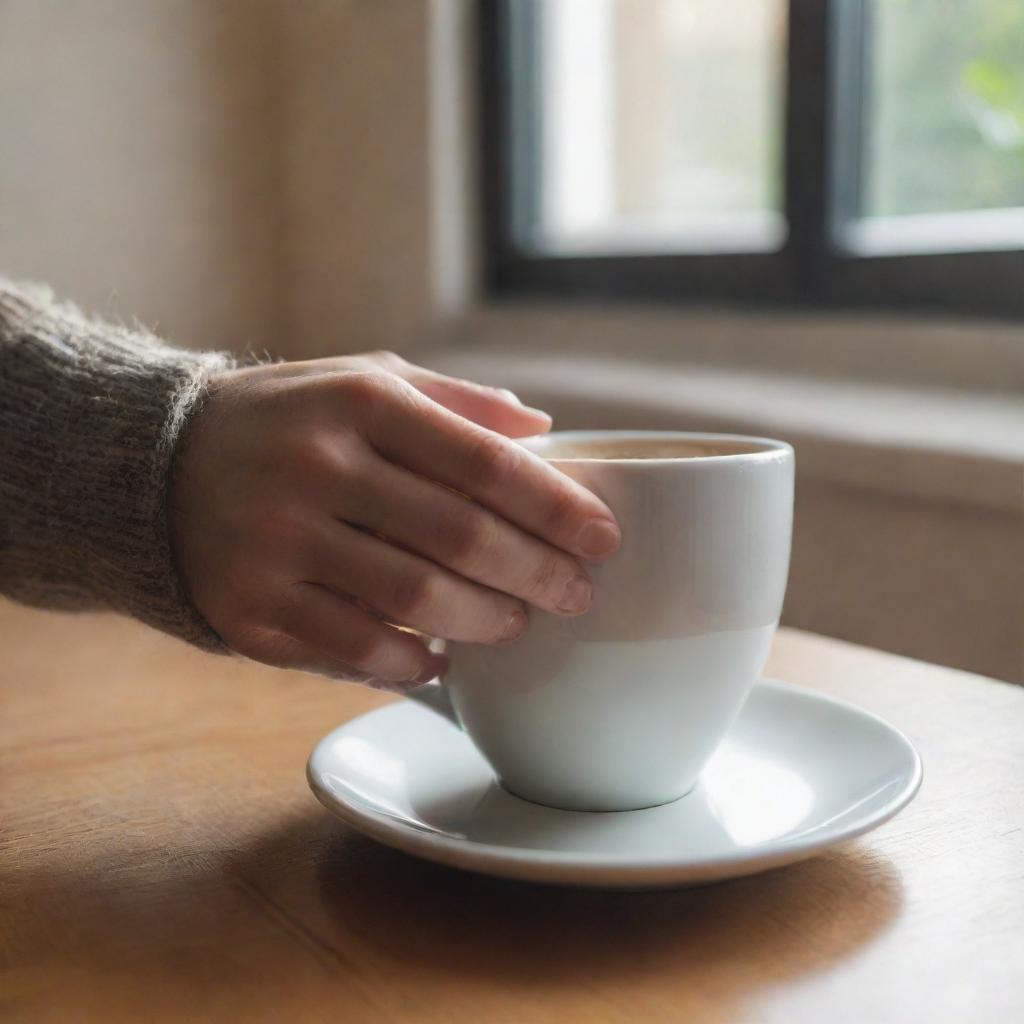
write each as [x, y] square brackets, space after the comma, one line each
[90, 417]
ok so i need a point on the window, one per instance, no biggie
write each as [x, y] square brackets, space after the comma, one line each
[840, 152]
[657, 126]
[942, 157]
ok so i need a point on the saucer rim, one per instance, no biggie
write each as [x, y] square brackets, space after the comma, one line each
[582, 869]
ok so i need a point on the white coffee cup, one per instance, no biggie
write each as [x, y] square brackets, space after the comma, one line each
[622, 707]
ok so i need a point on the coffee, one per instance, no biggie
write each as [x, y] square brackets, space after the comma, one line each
[634, 448]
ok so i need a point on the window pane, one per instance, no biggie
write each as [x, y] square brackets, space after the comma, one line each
[945, 116]
[656, 125]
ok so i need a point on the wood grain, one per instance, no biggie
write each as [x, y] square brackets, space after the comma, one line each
[162, 860]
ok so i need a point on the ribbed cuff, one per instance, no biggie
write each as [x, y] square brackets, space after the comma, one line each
[91, 417]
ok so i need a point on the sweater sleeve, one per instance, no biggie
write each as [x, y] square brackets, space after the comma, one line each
[90, 415]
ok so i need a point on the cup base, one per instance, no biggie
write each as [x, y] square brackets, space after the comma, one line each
[594, 805]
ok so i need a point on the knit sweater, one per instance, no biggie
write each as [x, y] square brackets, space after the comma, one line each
[90, 417]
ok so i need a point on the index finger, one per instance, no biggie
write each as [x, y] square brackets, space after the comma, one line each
[518, 485]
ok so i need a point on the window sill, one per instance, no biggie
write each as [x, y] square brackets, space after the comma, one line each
[928, 442]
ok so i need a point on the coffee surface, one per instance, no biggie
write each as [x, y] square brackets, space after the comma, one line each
[645, 448]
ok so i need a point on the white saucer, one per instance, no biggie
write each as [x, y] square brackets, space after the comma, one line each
[797, 773]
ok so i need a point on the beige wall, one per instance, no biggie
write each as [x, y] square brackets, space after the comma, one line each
[141, 161]
[240, 173]
[931, 579]
[356, 194]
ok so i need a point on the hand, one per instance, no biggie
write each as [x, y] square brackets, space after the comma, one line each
[317, 506]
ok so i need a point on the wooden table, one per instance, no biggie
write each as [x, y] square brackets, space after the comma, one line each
[162, 859]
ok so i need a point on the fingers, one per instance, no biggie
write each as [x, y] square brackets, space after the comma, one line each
[283, 651]
[497, 410]
[496, 472]
[412, 591]
[465, 538]
[343, 635]
[321, 633]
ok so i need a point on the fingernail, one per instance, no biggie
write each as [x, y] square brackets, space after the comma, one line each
[598, 537]
[514, 628]
[576, 597]
[510, 395]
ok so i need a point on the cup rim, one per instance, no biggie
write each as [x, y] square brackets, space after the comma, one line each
[765, 448]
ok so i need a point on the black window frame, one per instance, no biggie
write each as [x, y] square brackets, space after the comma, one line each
[812, 268]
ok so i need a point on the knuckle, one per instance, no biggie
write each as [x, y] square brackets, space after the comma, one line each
[361, 388]
[413, 594]
[322, 457]
[313, 455]
[388, 360]
[465, 536]
[492, 460]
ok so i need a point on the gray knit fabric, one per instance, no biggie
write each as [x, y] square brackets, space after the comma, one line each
[90, 414]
